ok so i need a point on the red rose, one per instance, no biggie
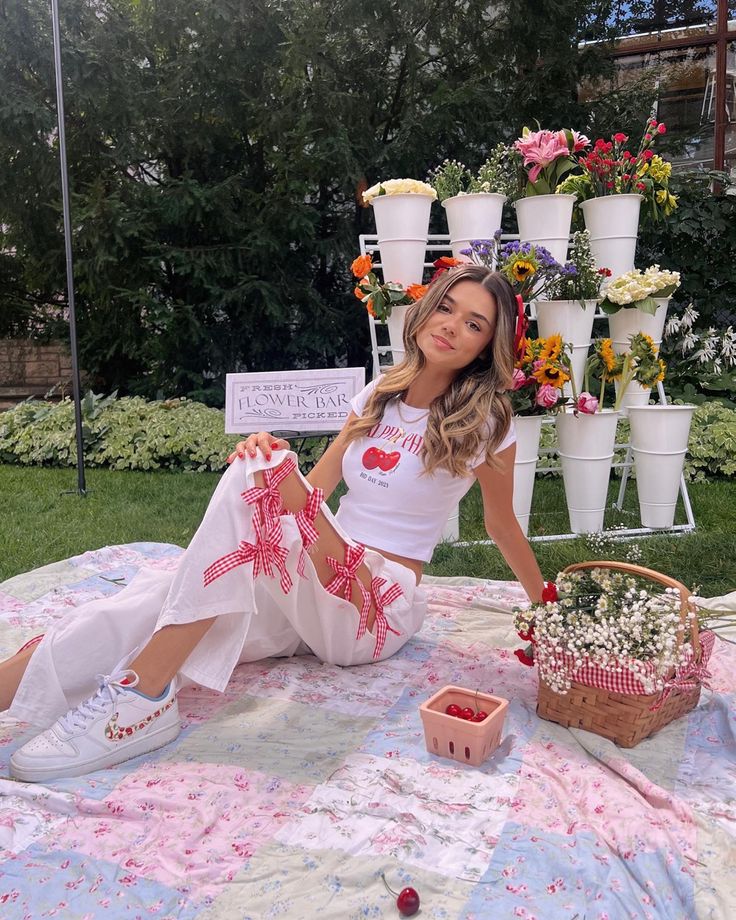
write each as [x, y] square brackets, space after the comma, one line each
[550, 593]
[523, 657]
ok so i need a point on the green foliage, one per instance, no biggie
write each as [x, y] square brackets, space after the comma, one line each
[712, 446]
[123, 434]
[215, 150]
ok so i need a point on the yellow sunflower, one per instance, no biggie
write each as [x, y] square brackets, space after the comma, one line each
[607, 355]
[662, 371]
[552, 374]
[551, 348]
[521, 270]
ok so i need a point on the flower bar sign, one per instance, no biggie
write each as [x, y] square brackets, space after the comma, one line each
[303, 401]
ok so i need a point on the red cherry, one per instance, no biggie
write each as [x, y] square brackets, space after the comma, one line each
[480, 716]
[371, 458]
[453, 710]
[388, 461]
[407, 899]
[467, 713]
[407, 902]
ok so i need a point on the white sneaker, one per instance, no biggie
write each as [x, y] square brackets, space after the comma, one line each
[114, 725]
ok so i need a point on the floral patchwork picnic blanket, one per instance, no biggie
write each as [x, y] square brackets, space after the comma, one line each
[289, 794]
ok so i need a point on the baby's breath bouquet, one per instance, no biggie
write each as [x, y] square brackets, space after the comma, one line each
[497, 175]
[582, 280]
[603, 627]
[638, 289]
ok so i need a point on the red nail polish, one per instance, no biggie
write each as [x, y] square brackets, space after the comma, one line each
[274, 447]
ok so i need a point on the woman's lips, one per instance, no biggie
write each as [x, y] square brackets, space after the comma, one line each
[441, 343]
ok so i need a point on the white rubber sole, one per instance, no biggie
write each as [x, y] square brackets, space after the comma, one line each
[126, 751]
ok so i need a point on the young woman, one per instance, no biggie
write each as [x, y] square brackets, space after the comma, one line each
[271, 572]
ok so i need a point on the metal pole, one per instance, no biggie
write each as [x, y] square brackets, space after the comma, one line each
[76, 384]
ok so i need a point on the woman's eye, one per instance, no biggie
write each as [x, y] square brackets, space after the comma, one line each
[474, 326]
[443, 308]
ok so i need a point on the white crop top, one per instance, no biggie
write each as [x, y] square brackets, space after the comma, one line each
[389, 504]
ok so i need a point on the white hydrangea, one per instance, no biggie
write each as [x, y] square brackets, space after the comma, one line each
[637, 285]
[399, 187]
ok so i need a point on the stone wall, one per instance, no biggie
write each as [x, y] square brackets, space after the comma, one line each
[30, 369]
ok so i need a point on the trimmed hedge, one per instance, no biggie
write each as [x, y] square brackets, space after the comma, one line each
[134, 434]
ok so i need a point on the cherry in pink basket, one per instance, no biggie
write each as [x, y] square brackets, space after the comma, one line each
[407, 900]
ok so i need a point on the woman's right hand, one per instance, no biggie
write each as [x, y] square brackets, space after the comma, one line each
[262, 441]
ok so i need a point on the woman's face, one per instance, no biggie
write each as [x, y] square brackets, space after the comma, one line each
[461, 327]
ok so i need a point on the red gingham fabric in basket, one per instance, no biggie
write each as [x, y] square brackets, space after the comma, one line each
[687, 676]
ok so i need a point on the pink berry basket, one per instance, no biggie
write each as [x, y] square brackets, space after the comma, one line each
[458, 739]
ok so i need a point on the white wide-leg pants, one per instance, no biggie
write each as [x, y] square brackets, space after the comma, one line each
[256, 617]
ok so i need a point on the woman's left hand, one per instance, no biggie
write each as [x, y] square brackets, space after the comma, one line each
[262, 441]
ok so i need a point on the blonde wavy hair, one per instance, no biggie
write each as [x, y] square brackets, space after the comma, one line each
[472, 416]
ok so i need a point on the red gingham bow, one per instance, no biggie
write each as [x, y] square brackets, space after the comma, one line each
[305, 522]
[270, 497]
[266, 554]
[346, 574]
[381, 601]
[306, 517]
[692, 673]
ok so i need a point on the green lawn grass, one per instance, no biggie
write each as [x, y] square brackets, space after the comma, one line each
[40, 524]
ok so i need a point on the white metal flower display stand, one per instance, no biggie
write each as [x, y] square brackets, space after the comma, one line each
[383, 356]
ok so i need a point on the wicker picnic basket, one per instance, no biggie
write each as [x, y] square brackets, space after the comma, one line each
[624, 718]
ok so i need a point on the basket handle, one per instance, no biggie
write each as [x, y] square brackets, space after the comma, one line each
[631, 569]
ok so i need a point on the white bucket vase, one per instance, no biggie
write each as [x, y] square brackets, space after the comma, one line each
[586, 444]
[403, 260]
[395, 324]
[613, 224]
[622, 326]
[402, 225]
[574, 323]
[402, 216]
[659, 439]
[545, 220]
[472, 217]
[528, 431]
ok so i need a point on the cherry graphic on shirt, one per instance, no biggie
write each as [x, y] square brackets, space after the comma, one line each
[375, 457]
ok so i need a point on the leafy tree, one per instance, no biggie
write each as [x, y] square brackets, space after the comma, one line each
[216, 151]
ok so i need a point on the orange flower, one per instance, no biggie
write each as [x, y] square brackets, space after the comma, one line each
[358, 293]
[442, 265]
[361, 266]
[416, 291]
[446, 262]
[369, 307]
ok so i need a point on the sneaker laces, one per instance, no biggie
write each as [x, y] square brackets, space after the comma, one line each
[111, 686]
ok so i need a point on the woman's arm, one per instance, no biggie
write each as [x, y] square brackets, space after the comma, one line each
[325, 474]
[327, 471]
[497, 488]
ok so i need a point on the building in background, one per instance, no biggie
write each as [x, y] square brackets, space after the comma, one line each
[687, 49]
